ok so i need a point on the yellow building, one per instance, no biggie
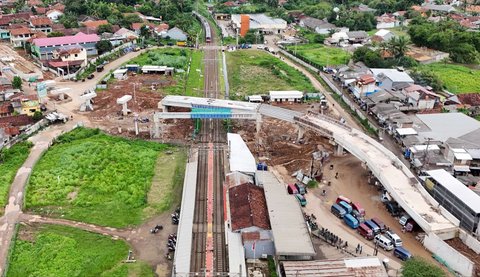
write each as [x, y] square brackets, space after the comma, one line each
[29, 106]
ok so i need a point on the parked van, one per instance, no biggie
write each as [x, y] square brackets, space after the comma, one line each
[350, 221]
[346, 206]
[373, 226]
[343, 198]
[356, 206]
[403, 220]
[402, 253]
[397, 241]
[364, 231]
[292, 189]
[301, 199]
[338, 211]
[383, 242]
[301, 188]
[379, 223]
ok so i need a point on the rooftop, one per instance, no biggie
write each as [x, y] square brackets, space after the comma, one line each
[248, 207]
[351, 267]
[392, 74]
[40, 21]
[94, 24]
[442, 126]
[457, 188]
[261, 21]
[240, 157]
[189, 102]
[286, 219]
[78, 38]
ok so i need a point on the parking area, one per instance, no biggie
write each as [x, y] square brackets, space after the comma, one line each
[352, 182]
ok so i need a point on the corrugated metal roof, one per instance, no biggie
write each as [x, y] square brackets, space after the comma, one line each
[457, 188]
[236, 254]
[286, 219]
[351, 267]
[445, 125]
[78, 38]
[184, 234]
[240, 157]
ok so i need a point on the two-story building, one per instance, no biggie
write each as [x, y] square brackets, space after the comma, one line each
[18, 36]
[419, 97]
[363, 86]
[43, 24]
[43, 48]
[68, 59]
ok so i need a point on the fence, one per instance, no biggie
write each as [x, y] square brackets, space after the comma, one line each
[448, 255]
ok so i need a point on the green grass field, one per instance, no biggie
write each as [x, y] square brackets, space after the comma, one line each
[92, 177]
[456, 78]
[60, 251]
[10, 161]
[321, 55]
[195, 77]
[186, 84]
[257, 72]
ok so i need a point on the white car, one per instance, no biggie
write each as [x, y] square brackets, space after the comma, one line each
[261, 47]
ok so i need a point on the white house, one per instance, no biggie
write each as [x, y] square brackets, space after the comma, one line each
[387, 21]
[363, 86]
[54, 15]
[420, 97]
[383, 35]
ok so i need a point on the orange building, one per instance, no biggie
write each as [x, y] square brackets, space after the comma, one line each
[245, 24]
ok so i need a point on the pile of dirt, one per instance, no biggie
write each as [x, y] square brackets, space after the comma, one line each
[277, 144]
[467, 252]
[148, 92]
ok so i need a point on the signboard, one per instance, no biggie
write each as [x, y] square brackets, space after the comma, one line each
[41, 90]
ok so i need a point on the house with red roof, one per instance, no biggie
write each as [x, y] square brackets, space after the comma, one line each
[43, 48]
[43, 24]
[94, 24]
[19, 35]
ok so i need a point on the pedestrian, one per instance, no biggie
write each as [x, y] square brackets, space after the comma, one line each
[324, 192]
[331, 167]
[336, 175]
[375, 251]
[360, 250]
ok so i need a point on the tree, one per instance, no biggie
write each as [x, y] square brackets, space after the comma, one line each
[106, 28]
[55, 34]
[17, 82]
[37, 115]
[398, 46]
[418, 267]
[104, 46]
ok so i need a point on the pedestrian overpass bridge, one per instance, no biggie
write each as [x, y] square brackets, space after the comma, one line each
[397, 179]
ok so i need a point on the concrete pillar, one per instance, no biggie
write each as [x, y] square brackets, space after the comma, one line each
[339, 150]
[301, 132]
[156, 126]
[258, 122]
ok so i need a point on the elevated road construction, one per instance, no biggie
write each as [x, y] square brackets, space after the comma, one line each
[399, 181]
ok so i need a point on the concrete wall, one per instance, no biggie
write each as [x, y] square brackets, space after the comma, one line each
[452, 257]
[470, 241]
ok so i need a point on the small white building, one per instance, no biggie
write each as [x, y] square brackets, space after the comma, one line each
[120, 74]
[54, 15]
[261, 22]
[287, 96]
[383, 35]
[157, 69]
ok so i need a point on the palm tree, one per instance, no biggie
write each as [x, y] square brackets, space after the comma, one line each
[398, 46]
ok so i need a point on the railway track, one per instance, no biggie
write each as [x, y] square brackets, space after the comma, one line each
[211, 144]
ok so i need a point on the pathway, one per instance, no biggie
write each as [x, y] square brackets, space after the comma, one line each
[13, 209]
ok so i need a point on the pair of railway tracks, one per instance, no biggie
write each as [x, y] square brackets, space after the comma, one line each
[209, 229]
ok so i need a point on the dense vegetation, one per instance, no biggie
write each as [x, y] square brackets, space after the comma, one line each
[257, 72]
[418, 267]
[320, 55]
[455, 78]
[53, 250]
[448, 36]
[92, 177]
[354, 20]
[189, 82]
[10, 161]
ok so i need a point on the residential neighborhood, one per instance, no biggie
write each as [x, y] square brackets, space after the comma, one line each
[239, 138]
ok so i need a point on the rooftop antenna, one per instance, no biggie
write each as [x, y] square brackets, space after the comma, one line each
[123, 101]
[86, 98]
